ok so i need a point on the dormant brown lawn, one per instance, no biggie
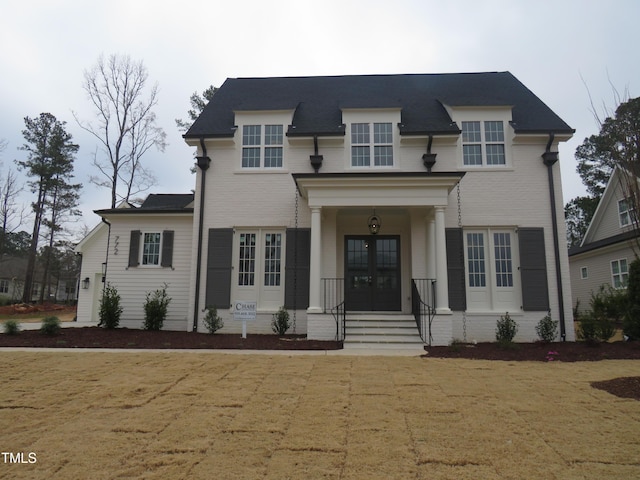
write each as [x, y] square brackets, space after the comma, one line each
[216, 416]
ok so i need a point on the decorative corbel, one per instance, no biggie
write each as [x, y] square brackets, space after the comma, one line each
[429, 159]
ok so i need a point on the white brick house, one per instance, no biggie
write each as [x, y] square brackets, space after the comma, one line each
[291, 170]
[459, 173]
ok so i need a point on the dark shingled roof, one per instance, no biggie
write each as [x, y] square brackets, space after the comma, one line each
[157, 203]
[317, 102]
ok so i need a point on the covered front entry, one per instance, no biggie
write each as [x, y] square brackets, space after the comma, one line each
[372, 273]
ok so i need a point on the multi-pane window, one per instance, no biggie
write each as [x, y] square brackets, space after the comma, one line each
[483, 146]
[503, 259]
[247, 263]
[4, 286]
[619, 273]
[363, 149]
[584, 273]
[626, 212]
[262, 151]
[272, 259]
[476, 260]
[151, 249]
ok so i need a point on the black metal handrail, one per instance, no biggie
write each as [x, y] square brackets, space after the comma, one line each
[422, 311]
[333, 302]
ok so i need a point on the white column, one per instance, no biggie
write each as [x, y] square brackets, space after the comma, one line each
[315, 261]
[442, 286]
[418, 245]
[431, 248]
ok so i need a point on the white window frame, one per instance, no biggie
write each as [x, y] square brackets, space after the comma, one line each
[619, 273]
[263, 289]
[584, 273]
[626, 212]
[142, 253]
[496, 287]
[4, 286]
[373, 143]
[483, 138]
[265, 143]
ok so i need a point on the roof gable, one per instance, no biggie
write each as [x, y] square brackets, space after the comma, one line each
[318, 102]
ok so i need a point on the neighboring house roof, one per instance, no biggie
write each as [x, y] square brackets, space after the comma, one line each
[317, 102]
[157, 203]
[591, 240]
[11, 267]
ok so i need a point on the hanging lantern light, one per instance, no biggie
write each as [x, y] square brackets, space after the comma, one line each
[374, 223]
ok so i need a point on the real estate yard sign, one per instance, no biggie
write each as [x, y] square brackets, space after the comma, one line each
[244, 311]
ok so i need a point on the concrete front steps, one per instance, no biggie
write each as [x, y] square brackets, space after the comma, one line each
[381, 331]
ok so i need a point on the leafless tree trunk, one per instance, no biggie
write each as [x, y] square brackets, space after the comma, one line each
[117, 87]
[11, 216]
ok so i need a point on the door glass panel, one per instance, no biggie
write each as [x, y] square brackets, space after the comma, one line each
[387, 263]
[358, 263]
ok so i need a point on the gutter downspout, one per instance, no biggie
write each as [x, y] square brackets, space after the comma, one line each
[550, 158]
[106, 260]
[203, 164]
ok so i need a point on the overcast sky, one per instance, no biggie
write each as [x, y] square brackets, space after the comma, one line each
[557, 48]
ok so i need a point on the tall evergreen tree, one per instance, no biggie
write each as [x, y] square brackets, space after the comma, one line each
[50, 155]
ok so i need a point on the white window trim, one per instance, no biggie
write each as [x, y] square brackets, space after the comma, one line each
[624, 275]
[141, 253]
[268, 297]
[262, 146]
[484, 143]
[630, 213]
[372, 146]
[584, 273]
[487, 298]
[4, 286]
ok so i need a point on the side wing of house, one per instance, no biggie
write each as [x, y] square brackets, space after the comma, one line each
[93, 249]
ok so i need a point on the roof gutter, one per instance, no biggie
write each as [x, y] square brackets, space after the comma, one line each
[203, 163]
[550, 158]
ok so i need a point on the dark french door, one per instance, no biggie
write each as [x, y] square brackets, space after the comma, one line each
[372, 273]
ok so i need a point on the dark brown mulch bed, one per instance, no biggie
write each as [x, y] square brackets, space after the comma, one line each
[94, 337]
[541, 352]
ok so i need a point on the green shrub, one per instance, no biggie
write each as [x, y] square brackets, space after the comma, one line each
[594, 328]
[212, 321]
[280, 321]
[11, 327]
[631, 321]
[50, 326]
[506, 329]
[547, 329]
[608, 307]
[110, 309]
[155, 308]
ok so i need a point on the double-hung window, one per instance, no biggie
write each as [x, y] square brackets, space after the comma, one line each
[619, 273]
[262, 146]
[372, 141]
[483, 143]
[4, 286]
[151, 248]
[626, 212]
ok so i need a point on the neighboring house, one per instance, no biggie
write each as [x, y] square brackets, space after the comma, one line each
[148, 246]
[609, 246]
[367, 190]
[12, 274]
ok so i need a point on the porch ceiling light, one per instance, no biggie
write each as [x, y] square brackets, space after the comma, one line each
[374, 223]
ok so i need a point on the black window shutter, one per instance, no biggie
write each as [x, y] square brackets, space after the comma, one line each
[167, 248]
[134, 248]
[298, 259]
[220, 250]
[455, 269]
[533, 269]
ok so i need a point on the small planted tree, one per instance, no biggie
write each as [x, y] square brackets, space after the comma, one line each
[280, 321]
[11, 327]
[547, 329]
[50, 326]
[506, 329]
[212, 321]
[156, 306]
[110, 309]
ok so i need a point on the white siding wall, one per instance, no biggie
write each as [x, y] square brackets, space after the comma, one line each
[134, 283]
[94, 253]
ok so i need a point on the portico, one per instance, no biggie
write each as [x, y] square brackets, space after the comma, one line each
[411, 243]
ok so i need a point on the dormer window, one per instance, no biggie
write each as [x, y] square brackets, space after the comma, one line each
[262, 150]
[371, 140]
[483, 143]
